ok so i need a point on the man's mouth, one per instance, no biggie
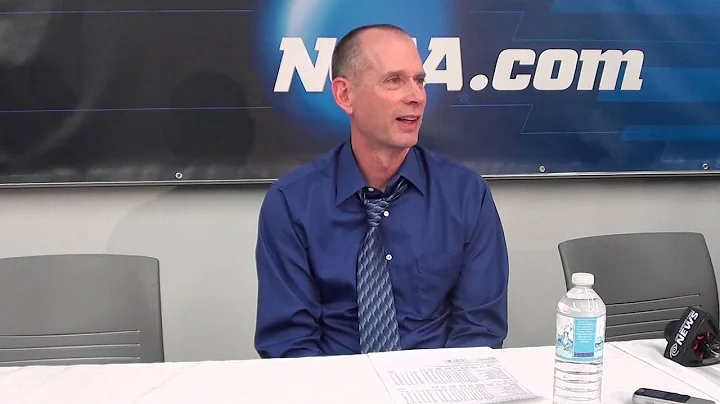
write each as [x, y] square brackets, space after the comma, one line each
[408, 118]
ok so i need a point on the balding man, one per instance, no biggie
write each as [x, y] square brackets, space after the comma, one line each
[380, 244]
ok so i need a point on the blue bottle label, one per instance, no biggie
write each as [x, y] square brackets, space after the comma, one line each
[580, 339]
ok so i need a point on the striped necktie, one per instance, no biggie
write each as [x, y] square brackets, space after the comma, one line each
[376, 304]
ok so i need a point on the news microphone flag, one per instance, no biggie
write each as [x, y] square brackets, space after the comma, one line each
[693, 340]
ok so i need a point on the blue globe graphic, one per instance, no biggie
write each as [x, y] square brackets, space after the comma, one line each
[316, 112]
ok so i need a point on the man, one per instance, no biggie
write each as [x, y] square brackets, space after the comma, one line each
[380, 244]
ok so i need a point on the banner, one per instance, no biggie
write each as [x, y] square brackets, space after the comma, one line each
[184, 91]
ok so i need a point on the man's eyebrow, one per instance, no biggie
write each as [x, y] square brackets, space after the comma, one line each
[400, 73]
[394, 73]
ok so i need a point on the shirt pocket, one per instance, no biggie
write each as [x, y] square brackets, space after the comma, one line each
[438, 273]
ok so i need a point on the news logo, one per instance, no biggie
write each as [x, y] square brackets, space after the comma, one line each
[682, 333]
[693, 340]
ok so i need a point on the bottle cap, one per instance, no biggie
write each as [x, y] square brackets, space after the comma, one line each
[583, 279]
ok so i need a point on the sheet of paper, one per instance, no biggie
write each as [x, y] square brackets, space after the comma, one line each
[415, 379]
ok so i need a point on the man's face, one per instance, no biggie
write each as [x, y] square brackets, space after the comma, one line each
[388, 99]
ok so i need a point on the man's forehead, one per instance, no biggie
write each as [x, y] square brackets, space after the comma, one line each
[391, 51]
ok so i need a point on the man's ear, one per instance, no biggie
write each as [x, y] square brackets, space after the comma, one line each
[342, 92]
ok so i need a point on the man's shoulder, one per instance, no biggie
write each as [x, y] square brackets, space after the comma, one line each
[444, 169]
[316, 170]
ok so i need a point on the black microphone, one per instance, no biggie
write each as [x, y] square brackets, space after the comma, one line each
[693, 340]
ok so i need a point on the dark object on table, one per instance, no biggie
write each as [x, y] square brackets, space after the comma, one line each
[693, 340]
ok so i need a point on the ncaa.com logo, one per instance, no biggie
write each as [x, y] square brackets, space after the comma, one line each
[585, 66]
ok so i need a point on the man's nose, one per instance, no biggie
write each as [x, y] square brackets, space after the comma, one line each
[415, 94]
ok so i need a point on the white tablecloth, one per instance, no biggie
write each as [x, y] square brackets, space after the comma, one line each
[332, 380]
[622, 374]
[706, 378]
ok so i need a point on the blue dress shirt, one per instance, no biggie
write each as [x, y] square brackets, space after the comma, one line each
[445, 243]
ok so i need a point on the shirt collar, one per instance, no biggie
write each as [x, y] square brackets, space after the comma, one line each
[349, 179]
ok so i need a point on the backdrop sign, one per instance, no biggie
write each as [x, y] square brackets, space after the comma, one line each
[128, 91]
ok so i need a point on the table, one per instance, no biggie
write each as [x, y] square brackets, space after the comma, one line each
[339, 379]
[329, 380]
[706, 378]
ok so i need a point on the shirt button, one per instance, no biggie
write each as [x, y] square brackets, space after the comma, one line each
[386, 213]
[388, 257]
[371, 189]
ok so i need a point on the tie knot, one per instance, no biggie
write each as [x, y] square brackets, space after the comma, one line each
[375, 208]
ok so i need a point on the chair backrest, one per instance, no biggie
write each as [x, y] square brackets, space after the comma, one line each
[645, 279]
[80, 309]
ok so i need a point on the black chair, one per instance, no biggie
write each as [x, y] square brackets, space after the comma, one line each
[645, 279]
[80, 309]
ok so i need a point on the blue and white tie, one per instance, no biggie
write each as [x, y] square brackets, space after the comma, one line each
[376, 303]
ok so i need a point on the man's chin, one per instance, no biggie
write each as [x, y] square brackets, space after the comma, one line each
[405, 140]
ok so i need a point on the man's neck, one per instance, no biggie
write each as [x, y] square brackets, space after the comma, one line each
[377, 165]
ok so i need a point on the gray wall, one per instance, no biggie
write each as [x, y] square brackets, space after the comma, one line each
[205, 240]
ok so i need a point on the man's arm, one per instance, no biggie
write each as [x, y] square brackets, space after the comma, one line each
[479, 299]
[288, 305]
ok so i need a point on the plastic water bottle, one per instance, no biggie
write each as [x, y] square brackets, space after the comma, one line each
[580, 325]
